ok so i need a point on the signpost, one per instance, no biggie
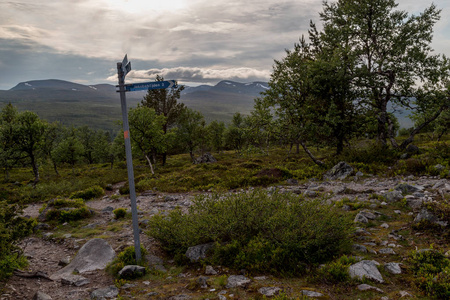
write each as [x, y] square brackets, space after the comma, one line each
[122, 70]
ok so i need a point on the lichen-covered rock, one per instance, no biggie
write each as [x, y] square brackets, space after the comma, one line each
[339, 171]
[366, 269]
[198, 252]
[235, 281]
[132, 271]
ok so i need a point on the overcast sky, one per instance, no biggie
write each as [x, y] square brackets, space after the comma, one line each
[192, 41]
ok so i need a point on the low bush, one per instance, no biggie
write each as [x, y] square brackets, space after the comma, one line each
[335, 271]
[12, 229]
[257, 231]
[431, 273]
[90, 193]
[119, 213]
[65, 210]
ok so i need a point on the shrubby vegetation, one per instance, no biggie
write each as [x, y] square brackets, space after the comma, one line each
[257, 231]
[431, 271]
[64, 210]
[124, 258]
[12, 229]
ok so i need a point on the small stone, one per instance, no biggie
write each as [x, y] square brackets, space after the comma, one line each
[180, 297]
[311, 294]
[361, 219]
[359, 248]
[393, 268]
[405, 294]
[209, 270]
[237, 281]
[41, 296]
[76, 280]
[384, 225]
[107, 292]
[132, 271]
[366, 287]
[269, 291]
[386, 251]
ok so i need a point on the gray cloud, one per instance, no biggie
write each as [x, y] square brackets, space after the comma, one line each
[188, 39]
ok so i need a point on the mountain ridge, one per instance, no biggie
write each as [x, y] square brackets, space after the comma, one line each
[98, 105]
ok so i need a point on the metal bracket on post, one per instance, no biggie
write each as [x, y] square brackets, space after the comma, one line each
[122, 69]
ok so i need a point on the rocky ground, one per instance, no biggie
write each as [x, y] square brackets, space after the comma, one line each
[384, 210]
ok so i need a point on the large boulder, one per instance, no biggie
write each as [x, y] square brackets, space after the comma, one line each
[366, 269]
[96, 254]
[339, 171]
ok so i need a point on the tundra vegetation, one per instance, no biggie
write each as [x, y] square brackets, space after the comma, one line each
[331, 96]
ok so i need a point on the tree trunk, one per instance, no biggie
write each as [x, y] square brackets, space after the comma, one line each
[150, 164]
[314, 159]
[35, 169]
[420, 127]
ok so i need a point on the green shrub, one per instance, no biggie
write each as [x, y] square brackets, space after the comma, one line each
[90, 193]
[431, 273]
[12, 229]
[65, 210]
[335, 271]
[257, 231]
[126, 257]
[120, 213]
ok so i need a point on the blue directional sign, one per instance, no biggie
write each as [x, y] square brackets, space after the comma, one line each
[155, 85]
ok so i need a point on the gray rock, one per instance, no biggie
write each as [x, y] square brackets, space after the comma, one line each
[414, 203]
[198, 252]
[339, 171]
[439, 167]
[369, 215]
[180, 297]
[359, 248]
[64, 261]
[269, 291]
[405, 294]
[408, 189]
[309, 193]
[393, 196]
[128, 286]
[366, 269]
[425, 215]
[386, 251]
[132, 271]
[96, 254]
[360, 218]
[439, 184]
[42, 226]
[108, 210]
[235, 281]
[366, 287]
[311, 294]
[202, 281]
[41, 296]
[76, 280]
[107, 292]
[292, 181]
[209, 270]
[393, 268]
[206, 158]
